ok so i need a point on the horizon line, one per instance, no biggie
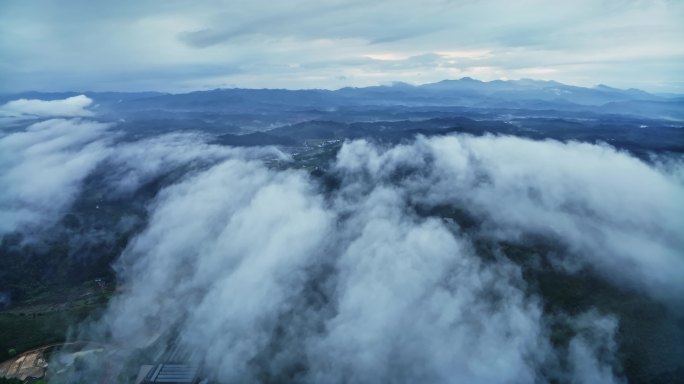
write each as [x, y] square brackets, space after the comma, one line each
[390, 84]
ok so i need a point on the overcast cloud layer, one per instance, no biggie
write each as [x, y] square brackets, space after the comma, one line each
[180, 46]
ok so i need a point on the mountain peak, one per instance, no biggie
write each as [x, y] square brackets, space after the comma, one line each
[401, 84]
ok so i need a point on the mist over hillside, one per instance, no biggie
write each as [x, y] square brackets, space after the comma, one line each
[322, 241]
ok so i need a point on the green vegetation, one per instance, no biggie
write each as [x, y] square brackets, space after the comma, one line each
[25, 328]
[318, 157]
[27, 332]
[17, 381]
[646, 327]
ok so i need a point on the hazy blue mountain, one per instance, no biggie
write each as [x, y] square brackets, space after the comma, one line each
[524, 94]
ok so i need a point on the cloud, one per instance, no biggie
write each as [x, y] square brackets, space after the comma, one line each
[363, 282]
[135, 163]
[410, 305]
[624, 44]
[611, 209]
[249, 266]
[75, 106]
[42, 168]
[592, 352]
[259, 274]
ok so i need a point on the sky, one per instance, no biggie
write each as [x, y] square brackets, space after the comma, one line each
[179, 46]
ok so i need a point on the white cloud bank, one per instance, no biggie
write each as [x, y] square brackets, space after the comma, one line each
[75, 106]
[258, 274]
[241, 251]
[612, 210]
[43, 167]
[41, 170]
[262, 276]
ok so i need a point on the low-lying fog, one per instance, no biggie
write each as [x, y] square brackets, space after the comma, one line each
[369, 273]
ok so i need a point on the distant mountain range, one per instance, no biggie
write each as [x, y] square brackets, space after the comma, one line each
[526, 94]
